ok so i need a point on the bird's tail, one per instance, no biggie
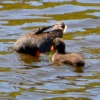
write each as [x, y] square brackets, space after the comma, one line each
[80, 63]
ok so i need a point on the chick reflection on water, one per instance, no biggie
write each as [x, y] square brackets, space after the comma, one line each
[61, 56]
[38, 41]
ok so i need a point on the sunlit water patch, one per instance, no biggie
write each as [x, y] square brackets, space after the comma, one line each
[88, 1]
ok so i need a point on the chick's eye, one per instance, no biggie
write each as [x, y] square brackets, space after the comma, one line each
[53, 44]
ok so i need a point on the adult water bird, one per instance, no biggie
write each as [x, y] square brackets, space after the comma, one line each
[39, 40]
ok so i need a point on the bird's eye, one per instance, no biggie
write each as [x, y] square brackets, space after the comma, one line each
[63, 26]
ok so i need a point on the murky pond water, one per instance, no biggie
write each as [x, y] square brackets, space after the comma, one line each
[23, 77]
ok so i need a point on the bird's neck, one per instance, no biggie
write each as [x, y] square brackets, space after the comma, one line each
[61, 51]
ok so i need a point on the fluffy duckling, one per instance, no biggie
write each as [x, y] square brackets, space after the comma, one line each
[61, 56]
[39, 41]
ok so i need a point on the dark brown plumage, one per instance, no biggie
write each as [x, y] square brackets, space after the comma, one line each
[38, 40]
[60, 56]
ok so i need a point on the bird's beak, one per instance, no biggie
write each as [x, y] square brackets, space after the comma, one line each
[65, 29]
[51, 51]
[52, 48]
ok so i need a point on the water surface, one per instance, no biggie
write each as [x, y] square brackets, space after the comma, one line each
[24, 77]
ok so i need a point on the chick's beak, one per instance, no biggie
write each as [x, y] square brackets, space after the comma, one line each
[52, 48]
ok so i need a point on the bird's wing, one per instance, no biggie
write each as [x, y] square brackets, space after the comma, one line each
[40, 30]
